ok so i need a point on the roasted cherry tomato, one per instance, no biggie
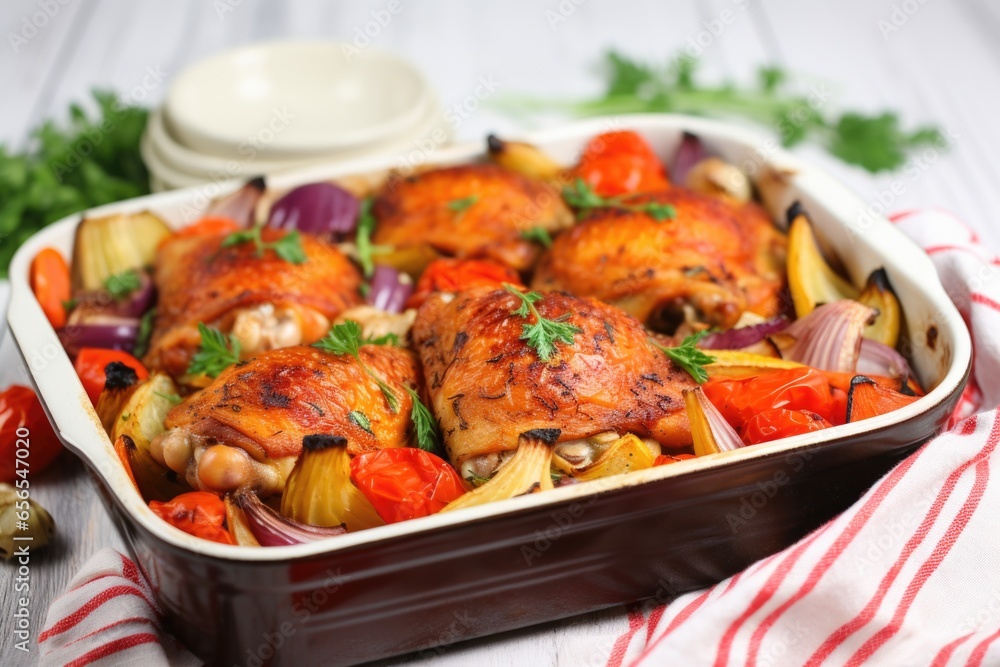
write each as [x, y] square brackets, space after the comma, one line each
[209, 225]
[405, 482]
[454, 275]
[50, 283]
[21, 409]
[92, 361]
[780, 423]
[664, 459]
[197, 513]
[617, 163]
[793, 389]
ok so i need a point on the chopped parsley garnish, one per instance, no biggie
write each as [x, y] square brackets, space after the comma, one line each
[460, 206]
[288, 247]
[217, 352]
[360, 420]
[537, 235]
[688, 357]
[173, 398]
[145, 332]
[120, 285]
[363, 237]
[542, 334]
[583, 198]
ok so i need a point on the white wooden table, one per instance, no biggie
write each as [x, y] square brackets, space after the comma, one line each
[932, 60]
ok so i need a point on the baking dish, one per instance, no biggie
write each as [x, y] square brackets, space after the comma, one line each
[436, 580]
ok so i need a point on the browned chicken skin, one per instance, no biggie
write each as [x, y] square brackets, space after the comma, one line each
[200, 281]
[258, 411]
[469, 211]
[487, 386]
[710, 263]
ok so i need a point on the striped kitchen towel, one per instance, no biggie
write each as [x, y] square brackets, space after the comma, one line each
[909, 575]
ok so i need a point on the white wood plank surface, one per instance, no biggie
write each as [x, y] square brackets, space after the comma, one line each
[941, 66]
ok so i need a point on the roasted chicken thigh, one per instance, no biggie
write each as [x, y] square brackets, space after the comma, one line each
[487, 385]
[474, 211]
[246, 428]
[707, 266]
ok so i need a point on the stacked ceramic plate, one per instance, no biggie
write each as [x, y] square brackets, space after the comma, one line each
[272, 107]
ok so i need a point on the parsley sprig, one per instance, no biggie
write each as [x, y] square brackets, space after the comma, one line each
[876, 142]
[216, 353]
[538, 235]
[460, 206]
[346, 338]
[288, 247]
[542, 334]
[688, 356]
[120, 285]
[583, 198]
[363, 237]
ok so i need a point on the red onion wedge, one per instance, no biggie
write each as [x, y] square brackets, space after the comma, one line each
[709, 429]
[104, 331]
[390, 289]
[829, 338]
[321, 209]
[239, 205]
[690, 153]
[737, 339]
[273, 530]
[879, 359]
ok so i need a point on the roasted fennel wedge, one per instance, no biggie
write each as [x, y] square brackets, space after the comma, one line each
[529, 470]
[319, 491]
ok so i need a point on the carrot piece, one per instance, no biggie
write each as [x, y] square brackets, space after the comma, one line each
[843, 381]
[121, 449]
[867, 398]
[51, 284]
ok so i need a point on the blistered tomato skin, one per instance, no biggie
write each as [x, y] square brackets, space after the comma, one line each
[198, 513]
[739, 400]
[25, 434]
[619, 163]
[406, 482]
[780, 423]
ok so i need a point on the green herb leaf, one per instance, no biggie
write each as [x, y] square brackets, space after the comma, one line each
[345, 338]
[688, 357]
[875, 142]
[390, 339]
[460, 205]
[583, 198]
[64, 170]
[537, 235]
[360, 420]
[173, 398]
[217, 352]
[120, 285]
[144, 334]
[425, 427]
[288, 247]
[363, 237]
[476, 480]
[542, 334]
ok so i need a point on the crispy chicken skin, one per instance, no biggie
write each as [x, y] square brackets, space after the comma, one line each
[434, 208]
[267, 404]
[712, 262]
[200, 281]
[487, 386]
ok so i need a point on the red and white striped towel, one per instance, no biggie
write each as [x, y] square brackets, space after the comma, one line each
[909, 575]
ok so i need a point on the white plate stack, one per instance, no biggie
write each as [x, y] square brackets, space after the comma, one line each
[276, 106]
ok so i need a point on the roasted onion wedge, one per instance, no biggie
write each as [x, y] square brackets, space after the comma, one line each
[529, 470]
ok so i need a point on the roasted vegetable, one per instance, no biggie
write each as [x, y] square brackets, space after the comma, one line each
[50, 283]
[120, 383]
[720, 179]
[197, 513]
[153, 480]
[738, 364]
[529, 470]
[878, 294]
[405, 482]
[810, 279]
[270, 529]
[114, 244]
[867, 398]
[709, 429]
[525, 159]
[319, 491]
[626, 454]
[91, 363]
[22, 519]
[239, 525]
